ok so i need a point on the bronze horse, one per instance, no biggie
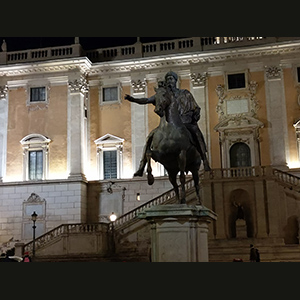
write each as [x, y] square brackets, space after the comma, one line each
[172, 146]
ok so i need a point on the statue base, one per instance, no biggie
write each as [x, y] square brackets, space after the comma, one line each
[179, 232]
[241, 228]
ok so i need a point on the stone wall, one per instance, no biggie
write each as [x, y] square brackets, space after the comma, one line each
[55, 202]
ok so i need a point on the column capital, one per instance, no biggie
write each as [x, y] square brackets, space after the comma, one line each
[3, 91]
[78, 85]
[273, 72]
[198, 80]
[138, 86]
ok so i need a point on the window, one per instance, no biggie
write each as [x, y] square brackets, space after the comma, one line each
[37, 94]
[110, 94]
[110, 164]
[109, 156]
[35, 165]
[35, 158]
[236, 81]
[240, 155]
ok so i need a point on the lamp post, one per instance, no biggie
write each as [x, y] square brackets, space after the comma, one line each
[33, 218]
[112, 218]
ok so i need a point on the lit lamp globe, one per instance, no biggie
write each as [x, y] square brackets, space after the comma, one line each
[112, 217]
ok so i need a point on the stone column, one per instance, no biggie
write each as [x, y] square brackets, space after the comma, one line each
[276, 112]
[179, 232]
[3, 129]
[76, 133]
[139, 122]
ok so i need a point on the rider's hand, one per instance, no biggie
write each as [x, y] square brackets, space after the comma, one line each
[128, 97]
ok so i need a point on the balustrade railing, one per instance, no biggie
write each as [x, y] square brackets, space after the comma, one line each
[165, 198]
[287, 178]
[41, 54]
[65, 229]
[233, 173]
[137, 50]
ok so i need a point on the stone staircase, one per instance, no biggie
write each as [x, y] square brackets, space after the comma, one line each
[132, 235]
[228, 250]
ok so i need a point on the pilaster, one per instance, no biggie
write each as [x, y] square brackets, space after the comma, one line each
[139, 122]
[276, 112]
[76, 127]
[198, 89]
[3, 129]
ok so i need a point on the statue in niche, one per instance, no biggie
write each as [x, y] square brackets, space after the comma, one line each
[239, 221]
[240, 211]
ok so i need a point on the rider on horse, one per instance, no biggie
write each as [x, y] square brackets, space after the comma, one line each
[189, 112]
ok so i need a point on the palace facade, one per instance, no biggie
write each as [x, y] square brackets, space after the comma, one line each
[70, 143]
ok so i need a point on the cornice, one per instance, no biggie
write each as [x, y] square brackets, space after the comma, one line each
[285, 51]
[81, 64]
[195, 58]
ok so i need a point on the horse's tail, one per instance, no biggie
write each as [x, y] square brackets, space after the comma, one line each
[150, 177]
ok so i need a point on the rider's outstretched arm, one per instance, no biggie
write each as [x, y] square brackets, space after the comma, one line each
[140, 100]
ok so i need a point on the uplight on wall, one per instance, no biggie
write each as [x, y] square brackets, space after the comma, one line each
[138, 197]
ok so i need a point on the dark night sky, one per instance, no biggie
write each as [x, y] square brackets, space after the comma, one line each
[24, 43]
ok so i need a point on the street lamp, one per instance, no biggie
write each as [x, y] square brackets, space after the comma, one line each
[113, 217]
[138, 197]
[33, 218]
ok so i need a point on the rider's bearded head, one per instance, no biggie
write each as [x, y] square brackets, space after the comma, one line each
[171, 84]
[171, 73]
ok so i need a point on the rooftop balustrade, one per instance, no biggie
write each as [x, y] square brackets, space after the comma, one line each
[137, 50]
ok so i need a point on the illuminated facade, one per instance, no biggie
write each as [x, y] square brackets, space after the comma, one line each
[68, 138]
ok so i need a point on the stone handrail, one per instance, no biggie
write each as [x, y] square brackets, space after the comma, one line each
[57, 232]
[287, 178]
[165, 198]
[233, 173]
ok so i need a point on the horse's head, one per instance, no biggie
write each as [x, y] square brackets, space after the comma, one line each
[161, 100]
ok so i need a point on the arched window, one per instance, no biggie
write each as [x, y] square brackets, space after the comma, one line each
[35, 150]
[240, 155]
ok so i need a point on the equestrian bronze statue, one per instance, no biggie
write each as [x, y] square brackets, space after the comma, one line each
[177, 143]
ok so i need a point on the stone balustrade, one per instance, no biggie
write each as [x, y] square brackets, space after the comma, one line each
[137, 50]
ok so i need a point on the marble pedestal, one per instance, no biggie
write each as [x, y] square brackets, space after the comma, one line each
[179, 232]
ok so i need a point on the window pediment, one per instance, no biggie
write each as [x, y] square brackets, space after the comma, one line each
[108, 140]
[238, 122]
[35, 138]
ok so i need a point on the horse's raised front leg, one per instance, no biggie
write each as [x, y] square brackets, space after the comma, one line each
[150, 177]
[182, 165]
